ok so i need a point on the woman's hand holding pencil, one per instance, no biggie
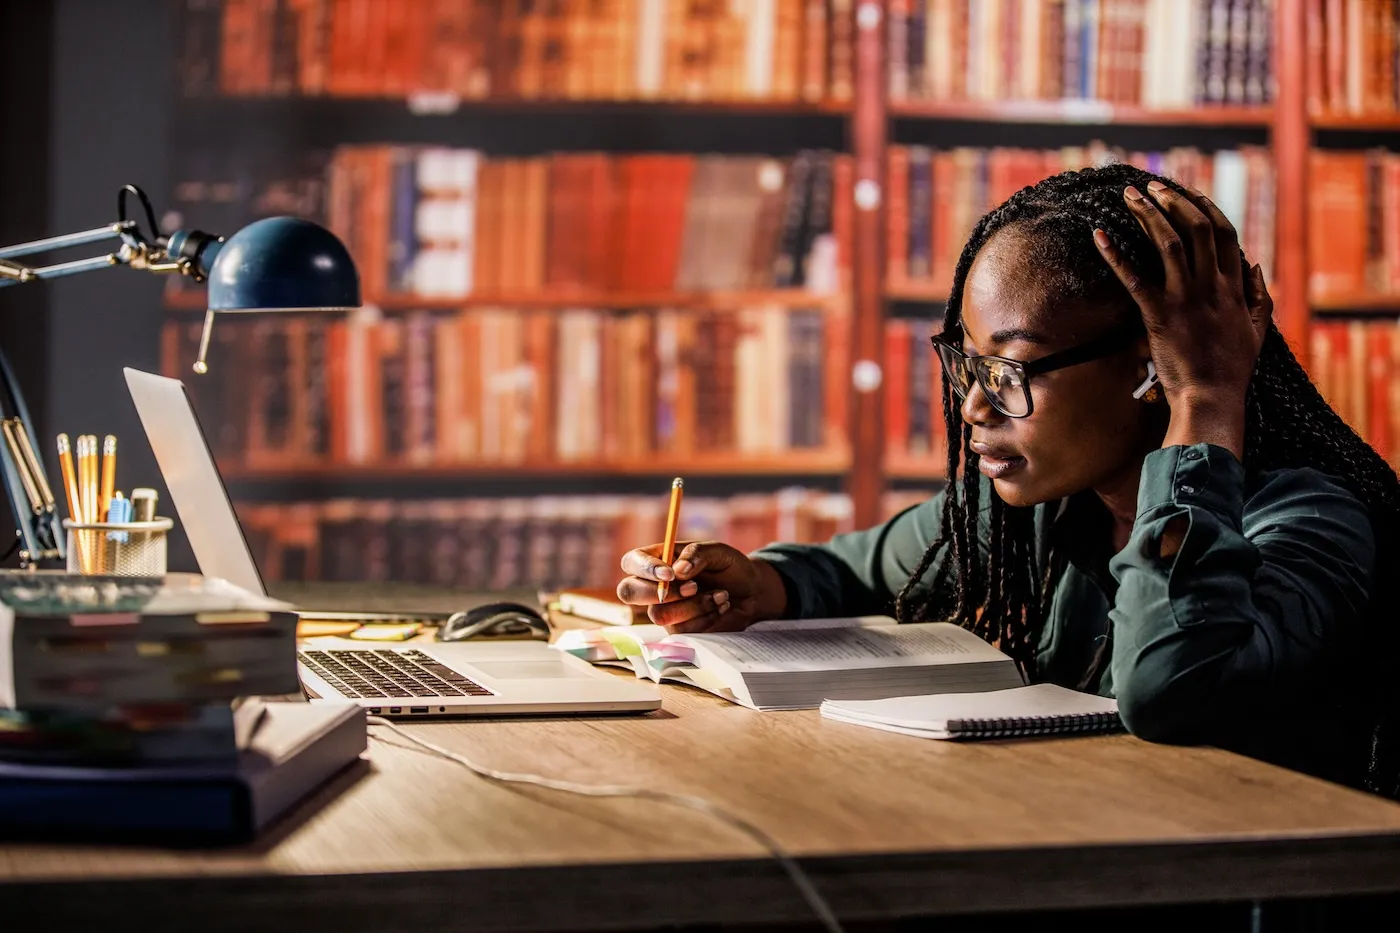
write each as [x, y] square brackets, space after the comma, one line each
[705, 587]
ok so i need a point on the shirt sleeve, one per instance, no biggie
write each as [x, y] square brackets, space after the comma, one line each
[859, 573]
[1246, 617]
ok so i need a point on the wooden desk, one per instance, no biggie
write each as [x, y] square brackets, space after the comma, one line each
[887, 825]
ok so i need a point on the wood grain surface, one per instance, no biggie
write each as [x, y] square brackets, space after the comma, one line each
[887, 825]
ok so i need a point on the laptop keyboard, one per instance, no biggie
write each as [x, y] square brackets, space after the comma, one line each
[378, 673]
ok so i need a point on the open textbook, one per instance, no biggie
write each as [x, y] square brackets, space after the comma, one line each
[798, 664]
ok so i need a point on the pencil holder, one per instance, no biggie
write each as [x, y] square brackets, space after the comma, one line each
[118, 549]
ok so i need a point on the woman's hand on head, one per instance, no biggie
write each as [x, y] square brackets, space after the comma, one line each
[1206, 323]
[713, 587]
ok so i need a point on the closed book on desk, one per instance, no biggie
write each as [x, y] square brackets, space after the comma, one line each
[798, 664]
[1040, 709]
[295, 748]
[600, 604]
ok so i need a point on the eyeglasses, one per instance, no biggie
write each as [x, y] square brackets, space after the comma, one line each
[1006, 383]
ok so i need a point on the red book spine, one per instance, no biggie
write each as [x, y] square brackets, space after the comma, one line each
[897, 218]
[898, 337]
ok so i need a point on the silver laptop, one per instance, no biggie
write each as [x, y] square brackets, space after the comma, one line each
[412, 680]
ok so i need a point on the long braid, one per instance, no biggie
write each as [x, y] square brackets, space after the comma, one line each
[1006, 599]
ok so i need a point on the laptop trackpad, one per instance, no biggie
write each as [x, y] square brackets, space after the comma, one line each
[528, 670]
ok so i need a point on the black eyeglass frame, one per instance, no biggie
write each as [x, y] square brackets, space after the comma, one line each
[1095, 349]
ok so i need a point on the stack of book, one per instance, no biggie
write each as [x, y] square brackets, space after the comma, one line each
[131, 707]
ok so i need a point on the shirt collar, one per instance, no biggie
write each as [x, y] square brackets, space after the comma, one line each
[1082, 533]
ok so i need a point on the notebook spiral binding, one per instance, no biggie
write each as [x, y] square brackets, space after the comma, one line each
[1015, 727]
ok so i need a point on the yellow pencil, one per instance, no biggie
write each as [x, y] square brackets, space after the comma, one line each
[87, 479]
[109, 476]
[75, 498]
[70, 479]
[87, 476]
[673, 515]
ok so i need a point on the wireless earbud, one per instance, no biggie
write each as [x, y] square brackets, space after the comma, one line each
[1147, 383]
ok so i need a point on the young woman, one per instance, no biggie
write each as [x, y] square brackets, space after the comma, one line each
[1150, 499]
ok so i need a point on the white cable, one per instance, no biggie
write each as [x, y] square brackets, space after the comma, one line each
[795, 872]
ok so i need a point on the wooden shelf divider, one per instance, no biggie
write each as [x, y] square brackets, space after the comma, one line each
[1085, 112]
[1379, 121]
[717, 300]
[433, 104]
[1373, 302]
[920, 292]
[791, 463]
[900, 466]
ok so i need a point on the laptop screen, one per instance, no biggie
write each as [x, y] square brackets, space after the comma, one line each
[198, 491]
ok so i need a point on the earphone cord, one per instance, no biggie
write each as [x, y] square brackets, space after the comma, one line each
[795, 871]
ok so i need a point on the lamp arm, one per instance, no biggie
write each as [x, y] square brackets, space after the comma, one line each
[134, 251]
[13, 274]
[82, 238]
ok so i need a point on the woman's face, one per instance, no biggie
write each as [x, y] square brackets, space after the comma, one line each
[1085, 430]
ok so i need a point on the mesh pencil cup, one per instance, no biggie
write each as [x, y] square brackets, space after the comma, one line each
[118, 549]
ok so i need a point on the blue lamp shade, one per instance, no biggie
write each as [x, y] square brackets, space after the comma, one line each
[282, 264]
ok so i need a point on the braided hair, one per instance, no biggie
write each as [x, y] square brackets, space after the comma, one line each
[1001, 595]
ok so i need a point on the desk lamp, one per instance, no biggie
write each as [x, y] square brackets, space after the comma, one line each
[275, 264]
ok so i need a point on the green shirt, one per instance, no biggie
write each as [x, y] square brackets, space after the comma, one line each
[1245, 638]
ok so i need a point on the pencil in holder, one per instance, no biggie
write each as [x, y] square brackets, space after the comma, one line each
[119, 549]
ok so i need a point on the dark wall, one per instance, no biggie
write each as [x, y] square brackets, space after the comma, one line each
[111, 103]
[26, 40]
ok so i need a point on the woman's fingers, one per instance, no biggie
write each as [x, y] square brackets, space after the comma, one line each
[686, 561]
[694, 614]
[1135, 284]
[1192, 226]
[1166, 238]
[641, 591]
[646, 562]
[1227, 239]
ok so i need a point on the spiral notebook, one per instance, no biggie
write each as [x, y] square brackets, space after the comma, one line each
[1040, 709]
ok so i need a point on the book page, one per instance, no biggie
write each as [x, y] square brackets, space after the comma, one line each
[780, 625]
[844, 648]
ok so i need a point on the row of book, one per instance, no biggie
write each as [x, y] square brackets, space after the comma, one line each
[1354, 224]
[937, 196]
[502, 386]
[519, 49]
[1151, 53]
[547, 542]
[1353, 61]
[449, 223]
[1356, 366]
[512, 543]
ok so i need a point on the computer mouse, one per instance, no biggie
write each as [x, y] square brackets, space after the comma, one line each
[494, 619]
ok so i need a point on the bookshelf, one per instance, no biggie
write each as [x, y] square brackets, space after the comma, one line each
[858, 85]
